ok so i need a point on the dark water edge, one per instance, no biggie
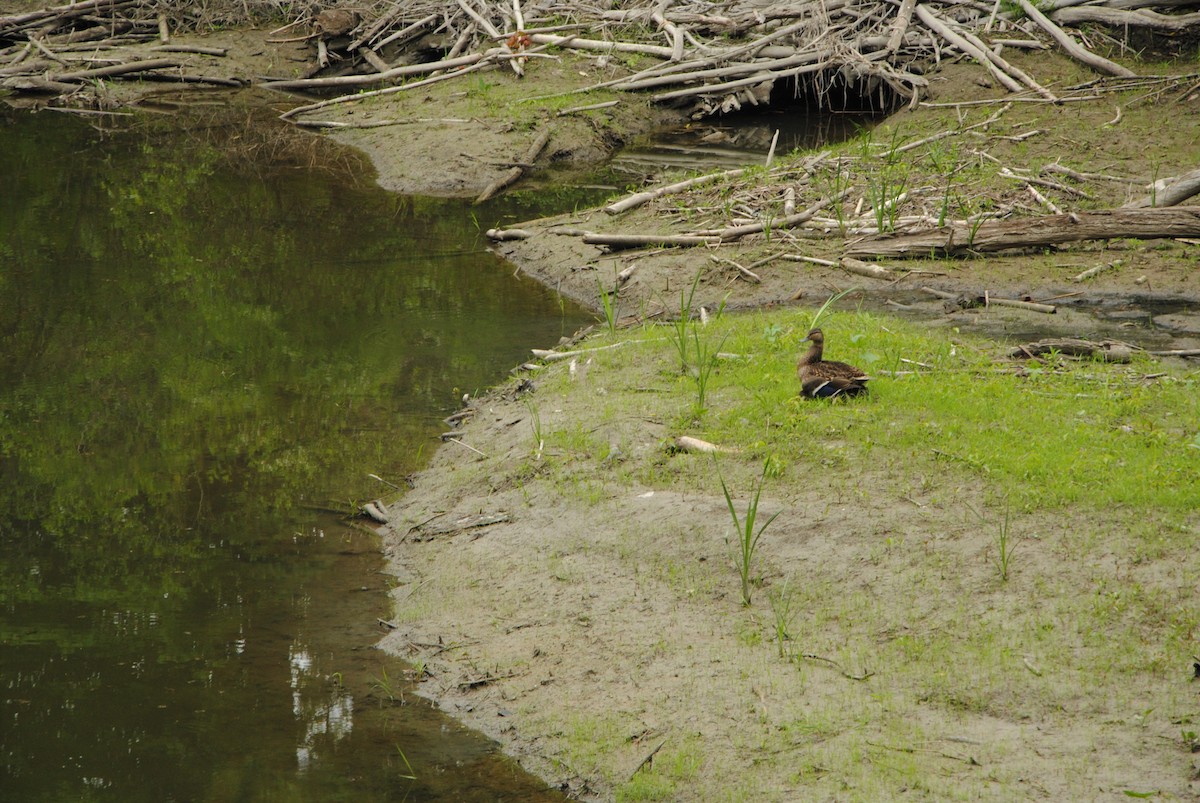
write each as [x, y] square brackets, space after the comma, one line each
[207, 338]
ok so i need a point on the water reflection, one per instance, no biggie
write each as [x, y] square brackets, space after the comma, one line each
[195, 358]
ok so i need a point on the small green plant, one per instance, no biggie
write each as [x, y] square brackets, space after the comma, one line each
[748, 537]
[608, 306]
[782, 599]
[680, 326]
[833, 299]
[1004, 540]
[412, 774]
[705, 361]
[535, 423]
[384, 686]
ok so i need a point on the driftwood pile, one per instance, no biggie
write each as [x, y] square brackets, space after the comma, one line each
[62, 51]
[711, 57]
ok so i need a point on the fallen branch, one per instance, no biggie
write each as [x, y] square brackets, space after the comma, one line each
[1096, 271]
[516, 172]
[1031, 306]
[465, 523]
[508, 234]
[555, 356]
[1073, 48]
[637, 199]
[1107, 350]
[1038, 232]
[1170, 192]
[867, 269]
[618, 241]
[375, 78]
[686, 443]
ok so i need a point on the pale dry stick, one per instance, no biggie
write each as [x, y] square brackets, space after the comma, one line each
[576, 43]
[637, 199]
[381, 24]
[961, 104]
[671, 67]
[1043, 200]
[608, 104]
[1052, 185]
[942, 28]
[868, 269]
[673, 32]
[618, 241]
[380, 123]
[742, 270]
[487, 25]
[115, 69]
[394, 73]
[738, 68]
[554, 356]
[726, 86]
[944, 134]
[479, 65]
[372, 58]
[686, 443]
[1073, 48]
[1096, 271]
[736, 232]
[469, 446]
[1048, 309]
[789, 202]
[1009, 68]
[408, 30]
[900, 25]
[771, 151]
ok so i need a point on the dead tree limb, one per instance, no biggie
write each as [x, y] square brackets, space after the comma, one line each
[1039, 232]
[517, 171]
[1172, 191]
[1073, 48]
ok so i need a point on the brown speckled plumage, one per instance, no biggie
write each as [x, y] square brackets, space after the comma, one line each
[822, 379]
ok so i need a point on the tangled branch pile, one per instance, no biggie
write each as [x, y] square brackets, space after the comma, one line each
[709, 57]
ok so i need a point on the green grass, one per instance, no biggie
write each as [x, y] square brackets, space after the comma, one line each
[1044, 437]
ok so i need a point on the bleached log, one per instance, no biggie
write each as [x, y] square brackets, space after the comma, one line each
[1073, 48]
[575, 43]
[1031, 306]
[554, 356]
[503, 235]
[686, 443]
[114, 69]
[1172, 192]
[868, 269]
[1118, 18]
[943, 29]
[618, 241]
[1038, 232]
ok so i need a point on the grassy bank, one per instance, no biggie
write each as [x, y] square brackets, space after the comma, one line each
[980, 582]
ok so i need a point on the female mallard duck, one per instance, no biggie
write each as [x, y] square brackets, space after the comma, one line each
[822, 379]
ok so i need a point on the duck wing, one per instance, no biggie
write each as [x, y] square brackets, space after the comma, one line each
[819, 387]
[841, 369]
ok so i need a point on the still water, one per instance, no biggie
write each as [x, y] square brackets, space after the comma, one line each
[207, 342]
